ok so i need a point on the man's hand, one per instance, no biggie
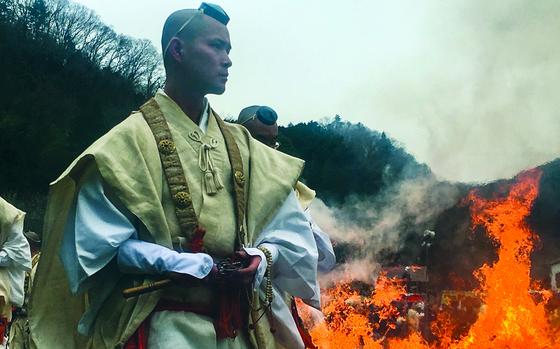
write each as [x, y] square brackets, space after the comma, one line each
[246, 275]
[243, 276]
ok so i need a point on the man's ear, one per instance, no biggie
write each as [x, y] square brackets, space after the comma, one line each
[177, 50]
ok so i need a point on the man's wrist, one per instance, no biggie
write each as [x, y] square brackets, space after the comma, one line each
[261, 270]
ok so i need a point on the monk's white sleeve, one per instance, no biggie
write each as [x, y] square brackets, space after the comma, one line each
[96, 232]
[142, 257]
[327, 258]
[16, 257]
[290, 240]
[15, 252]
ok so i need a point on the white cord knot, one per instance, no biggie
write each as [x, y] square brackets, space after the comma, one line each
[211, 174]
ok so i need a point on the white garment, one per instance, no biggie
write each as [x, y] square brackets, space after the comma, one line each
[327, 258]
[141, 257]
[16, 256]
[294, 253]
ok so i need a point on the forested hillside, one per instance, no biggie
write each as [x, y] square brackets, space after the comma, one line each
[66, 78]
[344, 158]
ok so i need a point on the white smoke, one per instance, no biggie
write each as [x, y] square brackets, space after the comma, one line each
[363, 269]
[380, 224]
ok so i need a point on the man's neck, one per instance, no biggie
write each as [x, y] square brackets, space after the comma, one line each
[190, 103]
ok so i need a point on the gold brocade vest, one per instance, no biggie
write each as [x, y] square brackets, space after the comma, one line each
[127, 159]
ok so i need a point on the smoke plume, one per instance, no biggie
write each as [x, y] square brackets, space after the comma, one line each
[391, 223]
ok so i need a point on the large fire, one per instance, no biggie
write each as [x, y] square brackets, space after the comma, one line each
[508, 307]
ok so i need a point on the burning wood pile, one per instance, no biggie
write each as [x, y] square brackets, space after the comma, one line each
[506, 310]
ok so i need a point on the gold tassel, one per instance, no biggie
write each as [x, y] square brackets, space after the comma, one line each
[209, 183]
[217, 179]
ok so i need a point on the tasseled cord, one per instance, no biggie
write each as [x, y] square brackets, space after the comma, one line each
[212, 180]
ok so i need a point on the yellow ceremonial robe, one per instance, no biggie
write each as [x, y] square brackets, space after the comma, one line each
[127, 159]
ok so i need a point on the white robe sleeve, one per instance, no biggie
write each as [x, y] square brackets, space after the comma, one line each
[327, 258]
[97, 231]
[294, 253]
[141, 257]
[15, 255]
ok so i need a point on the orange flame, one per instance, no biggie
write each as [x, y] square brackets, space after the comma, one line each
[508, 318]
[346, 325]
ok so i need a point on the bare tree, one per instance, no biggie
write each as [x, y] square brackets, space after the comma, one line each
[80, 30]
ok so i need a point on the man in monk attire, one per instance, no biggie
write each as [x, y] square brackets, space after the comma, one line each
[196, 217]
[262, 124]
[15, 261]
[19, 327]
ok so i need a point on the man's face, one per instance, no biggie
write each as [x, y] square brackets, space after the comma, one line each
[206, 58]
[267, 134]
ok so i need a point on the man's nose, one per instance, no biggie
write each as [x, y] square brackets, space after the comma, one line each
[227, 62]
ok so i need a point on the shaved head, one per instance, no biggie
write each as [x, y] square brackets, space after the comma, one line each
[195, 49]
[266, 133]
[175, 23]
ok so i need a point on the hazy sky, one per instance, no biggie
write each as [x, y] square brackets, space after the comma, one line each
[469, 87]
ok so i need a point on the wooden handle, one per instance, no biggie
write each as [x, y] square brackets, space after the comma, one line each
[152, 286]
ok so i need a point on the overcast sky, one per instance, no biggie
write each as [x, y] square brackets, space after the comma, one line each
[469, 87]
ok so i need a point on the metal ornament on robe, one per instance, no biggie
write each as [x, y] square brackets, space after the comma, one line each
[172, 168]
[238, 182]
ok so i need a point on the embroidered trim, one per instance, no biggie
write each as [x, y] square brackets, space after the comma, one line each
[172, 168]
[238, 182]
